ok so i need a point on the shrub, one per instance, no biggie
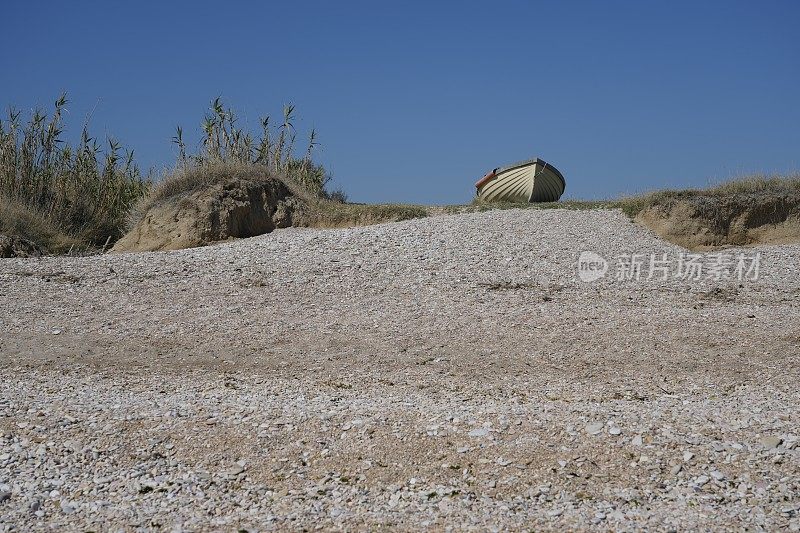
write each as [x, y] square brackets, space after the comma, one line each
[84, 192]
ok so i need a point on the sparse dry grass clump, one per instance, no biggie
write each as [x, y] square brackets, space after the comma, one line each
[17, 218]
[329, 214]
[81, 192]
[483, 205]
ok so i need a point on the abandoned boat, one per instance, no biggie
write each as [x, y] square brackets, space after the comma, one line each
[533, 180]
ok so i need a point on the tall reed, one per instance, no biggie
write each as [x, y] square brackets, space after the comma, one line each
[223, 141]
[86, 189]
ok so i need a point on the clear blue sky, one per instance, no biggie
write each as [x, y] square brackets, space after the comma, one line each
[416, 101]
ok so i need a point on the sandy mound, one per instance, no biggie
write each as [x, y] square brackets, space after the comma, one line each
[220, 211]
[705, 222]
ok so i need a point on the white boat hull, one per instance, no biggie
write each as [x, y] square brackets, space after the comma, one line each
[528, 181]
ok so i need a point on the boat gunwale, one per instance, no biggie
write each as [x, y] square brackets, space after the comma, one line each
[533, 161]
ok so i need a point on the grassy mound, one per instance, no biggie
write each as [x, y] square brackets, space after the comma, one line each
[187, 180]
[740, 189]
[746, 211]
[203, 203]
[236, 178]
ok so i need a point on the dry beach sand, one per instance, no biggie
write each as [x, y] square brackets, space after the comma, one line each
[448, 372]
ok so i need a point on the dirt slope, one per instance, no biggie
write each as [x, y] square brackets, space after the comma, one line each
[235, 208]
[706, 222]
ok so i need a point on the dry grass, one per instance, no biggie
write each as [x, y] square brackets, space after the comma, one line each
[746, 211]
[743, 189]
[328, 214]
[482, 205]
[18, 218]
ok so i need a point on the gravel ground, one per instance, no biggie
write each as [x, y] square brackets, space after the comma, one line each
[449, 372]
